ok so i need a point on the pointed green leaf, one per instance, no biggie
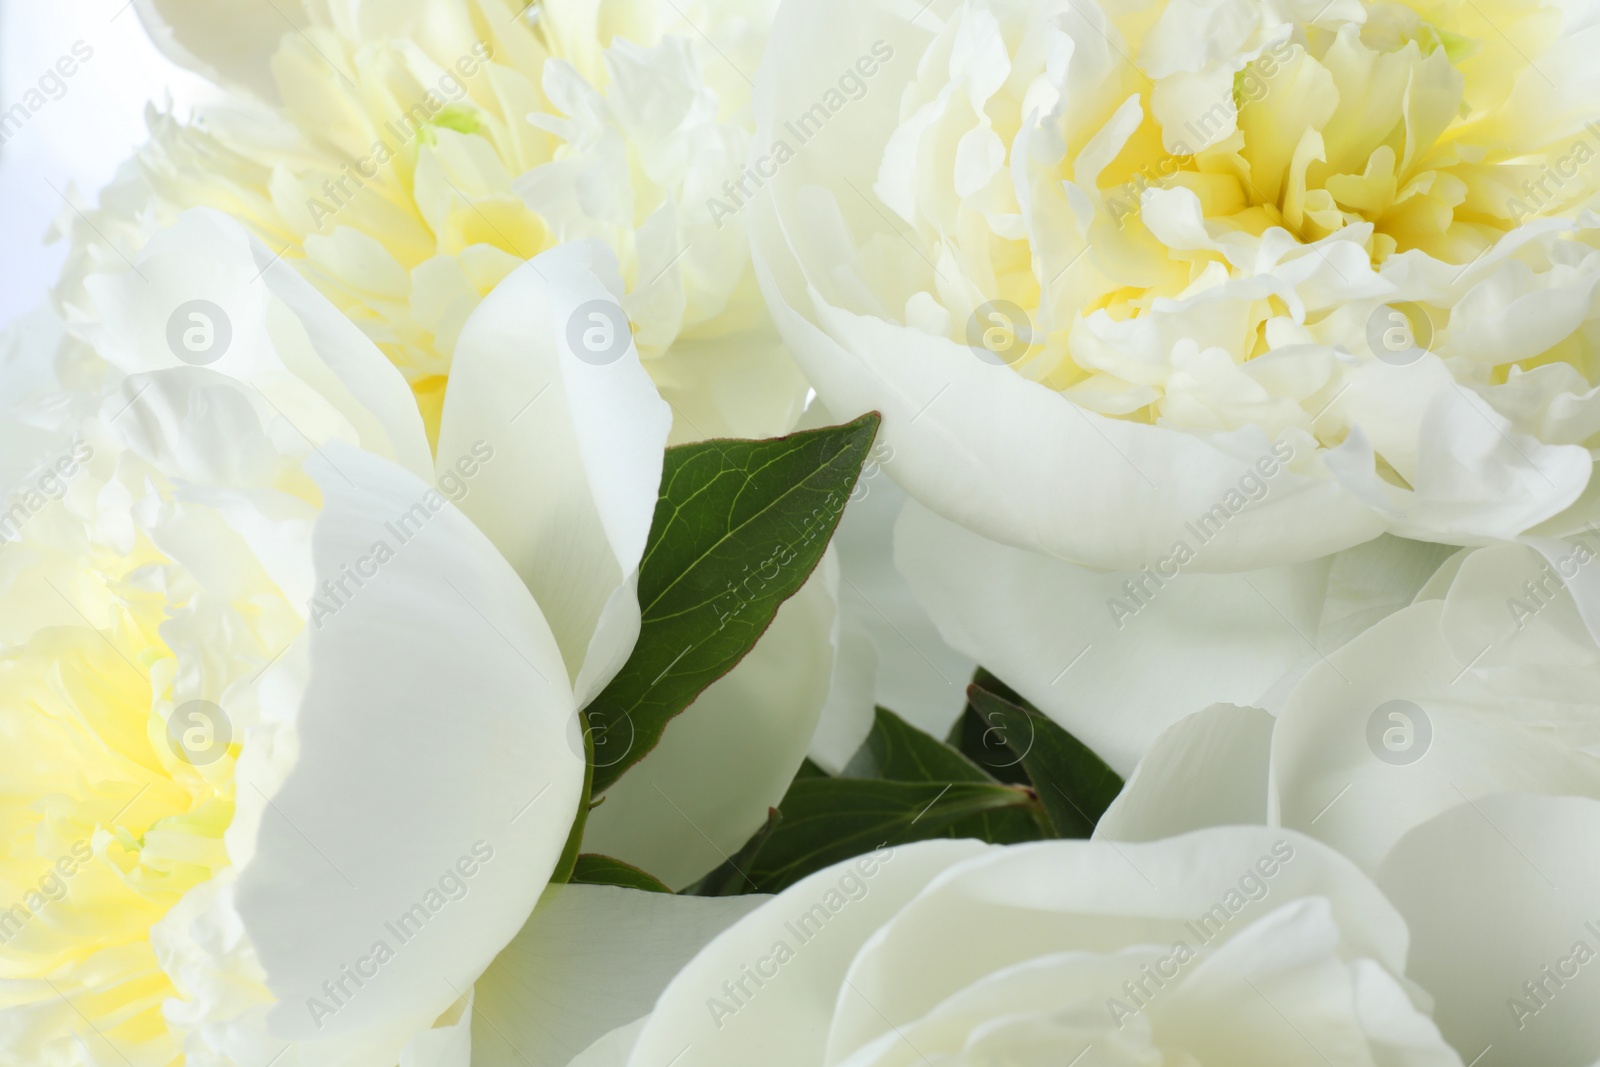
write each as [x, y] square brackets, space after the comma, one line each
[900, 752]
[829, 820]
[739, 527]
[595, 869]
[1074, 785]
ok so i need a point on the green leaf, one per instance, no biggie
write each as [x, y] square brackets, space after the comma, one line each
[594, 869]
[829, 820]
[1074, 785]
[739, 527]
[984, 742]
[810, 769]
[900, 752]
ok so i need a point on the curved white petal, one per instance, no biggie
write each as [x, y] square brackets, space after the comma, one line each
[436, 702]
[203, 292]
[780, 1024]
[837, 967]
[848, 713]
[575, 445]
[919, 676]
[1088, 893]
[1114, 667]
[1502, 896]
[231, 41]
[448, 1043]
[730, 756]
[958, 424]
[590, 959]
[1441, 703]
[1209, 769]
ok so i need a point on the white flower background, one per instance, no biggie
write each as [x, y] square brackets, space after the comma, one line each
[1354, 723]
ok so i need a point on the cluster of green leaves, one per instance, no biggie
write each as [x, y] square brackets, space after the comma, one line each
[739, 526]
[1007, 774]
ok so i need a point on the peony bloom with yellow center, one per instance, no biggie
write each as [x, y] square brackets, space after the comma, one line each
[291, 749]
[416, 164]
[1098, 263]
[406, 158]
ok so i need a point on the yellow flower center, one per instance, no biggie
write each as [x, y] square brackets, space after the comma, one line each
[401, 183]
[1437, 128]
[1406, 123]
[119, 780]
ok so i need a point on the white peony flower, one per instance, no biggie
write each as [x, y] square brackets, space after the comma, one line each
[1450, 750]
[1202, 286]
[248, 522]
[406, 158]
[1228, 946]
[417, 164]
[293, 750]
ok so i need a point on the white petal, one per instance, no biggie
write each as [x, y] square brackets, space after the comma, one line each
[448, 1044]
[1495, 892]
[1087, 894]
[781, 1025]
[591, 958]
[1484, 706]
[269, 329]
[957, 425]
[1115, 677]
[577, 445]
[229, 41]
[436, 734]
[1207, 770]
[918, 676]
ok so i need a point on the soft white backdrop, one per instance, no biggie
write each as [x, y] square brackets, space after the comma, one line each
[73, 143]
